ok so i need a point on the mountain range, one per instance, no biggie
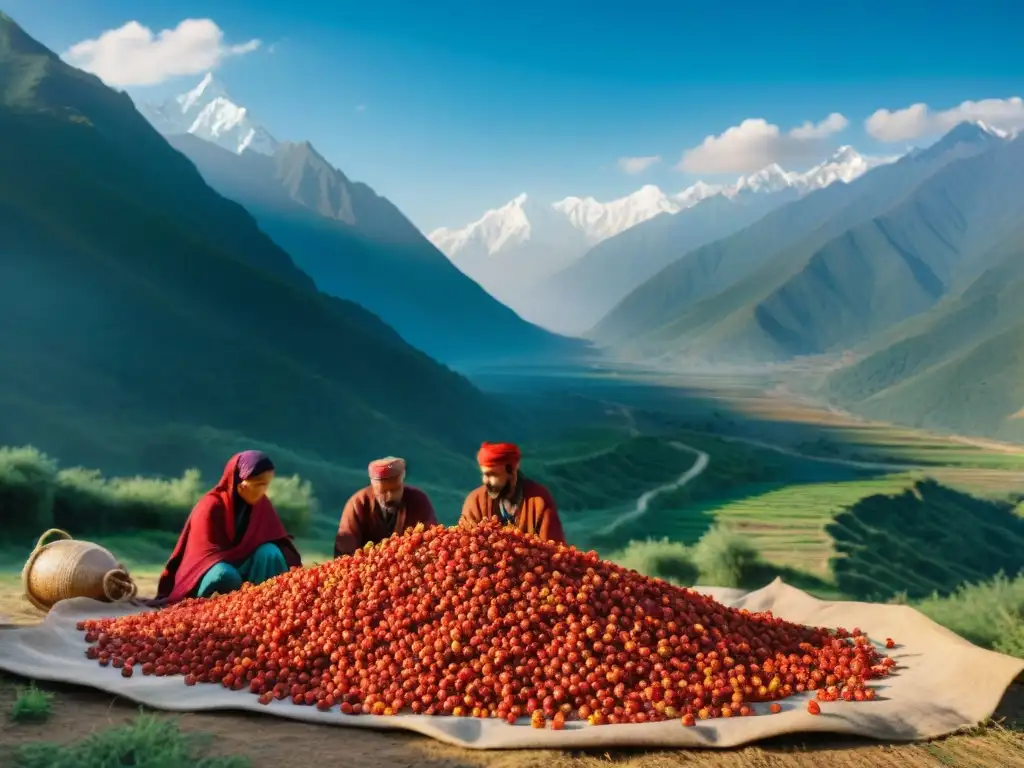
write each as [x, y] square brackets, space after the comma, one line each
[564, 265]
[882, 270]
[166, 293]
[141, 312]
[354, 243]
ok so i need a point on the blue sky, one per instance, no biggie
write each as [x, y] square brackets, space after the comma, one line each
[469, 102]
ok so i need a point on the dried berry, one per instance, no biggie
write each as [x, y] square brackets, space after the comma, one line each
[488, 623]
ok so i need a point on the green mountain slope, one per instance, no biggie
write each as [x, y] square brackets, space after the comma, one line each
[133, 295]
[582, 294]
[714, 289]
[578, 296]
[357, 245]
[898, 265]
[959, 367]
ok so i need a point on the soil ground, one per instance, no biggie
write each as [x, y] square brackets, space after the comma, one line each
[275, 743]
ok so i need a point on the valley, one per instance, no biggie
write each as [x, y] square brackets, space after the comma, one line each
[777, 486]
[808, 368]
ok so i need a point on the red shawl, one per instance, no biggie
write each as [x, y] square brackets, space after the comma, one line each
[207, 538]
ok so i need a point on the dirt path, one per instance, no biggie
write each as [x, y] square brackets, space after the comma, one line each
[642, 503]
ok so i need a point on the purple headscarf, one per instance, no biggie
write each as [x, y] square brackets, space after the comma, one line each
[252, 463]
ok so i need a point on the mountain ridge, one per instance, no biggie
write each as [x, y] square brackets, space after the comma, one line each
[648, 201]
[957, 367]
[149, 300]
[565, 265]
[693, 297]
[357, 245]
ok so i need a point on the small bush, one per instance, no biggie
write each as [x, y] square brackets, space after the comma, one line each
[295, 502]
[32, 705]
[27, 484]
[147, 742]
[35, 494]
[660, 559]
[990, 614]
[119, 503]
[726, 559]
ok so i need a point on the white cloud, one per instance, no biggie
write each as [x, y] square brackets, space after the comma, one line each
[360, 107]
[919, 120]
[633, 165]
[134, 55]
[755, 143]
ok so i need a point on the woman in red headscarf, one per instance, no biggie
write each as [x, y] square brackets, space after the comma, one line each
[510, 496]
[232, 535]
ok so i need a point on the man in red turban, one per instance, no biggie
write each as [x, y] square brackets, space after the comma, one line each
[385, 507]
[510, 496]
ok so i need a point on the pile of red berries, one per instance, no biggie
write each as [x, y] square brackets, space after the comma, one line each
[489, 622]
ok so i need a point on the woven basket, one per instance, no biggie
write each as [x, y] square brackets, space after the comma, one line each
[66, 568]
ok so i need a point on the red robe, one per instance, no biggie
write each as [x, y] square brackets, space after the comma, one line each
[209, 532]
[537, 512]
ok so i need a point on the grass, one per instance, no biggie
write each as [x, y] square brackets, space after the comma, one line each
[989, 614]
[148, 741]
[32, 705]
[873, 442]
[787, 522]
[721, 557]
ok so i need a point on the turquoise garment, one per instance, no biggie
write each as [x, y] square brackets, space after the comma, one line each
[265, 563]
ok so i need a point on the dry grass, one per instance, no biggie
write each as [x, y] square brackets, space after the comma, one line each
[277, 743]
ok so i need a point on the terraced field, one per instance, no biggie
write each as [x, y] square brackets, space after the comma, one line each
[788, 524]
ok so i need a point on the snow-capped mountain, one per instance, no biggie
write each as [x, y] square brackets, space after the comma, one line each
[514, 224]
[692, 195]
[599, 221]
[999, 133]
[766, 181]
[523, 220]
[516, 245]
[208, 113]
[517, 251]
[845, 165]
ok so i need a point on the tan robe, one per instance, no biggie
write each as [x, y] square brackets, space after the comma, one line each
[362, 520]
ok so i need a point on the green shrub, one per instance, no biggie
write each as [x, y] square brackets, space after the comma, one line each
[32, 705]
[295, 502]
[989, 614]
[119, 503]
[27, 484]
[36, 494]
[726, 559]
[147, 742]
[660, 559]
